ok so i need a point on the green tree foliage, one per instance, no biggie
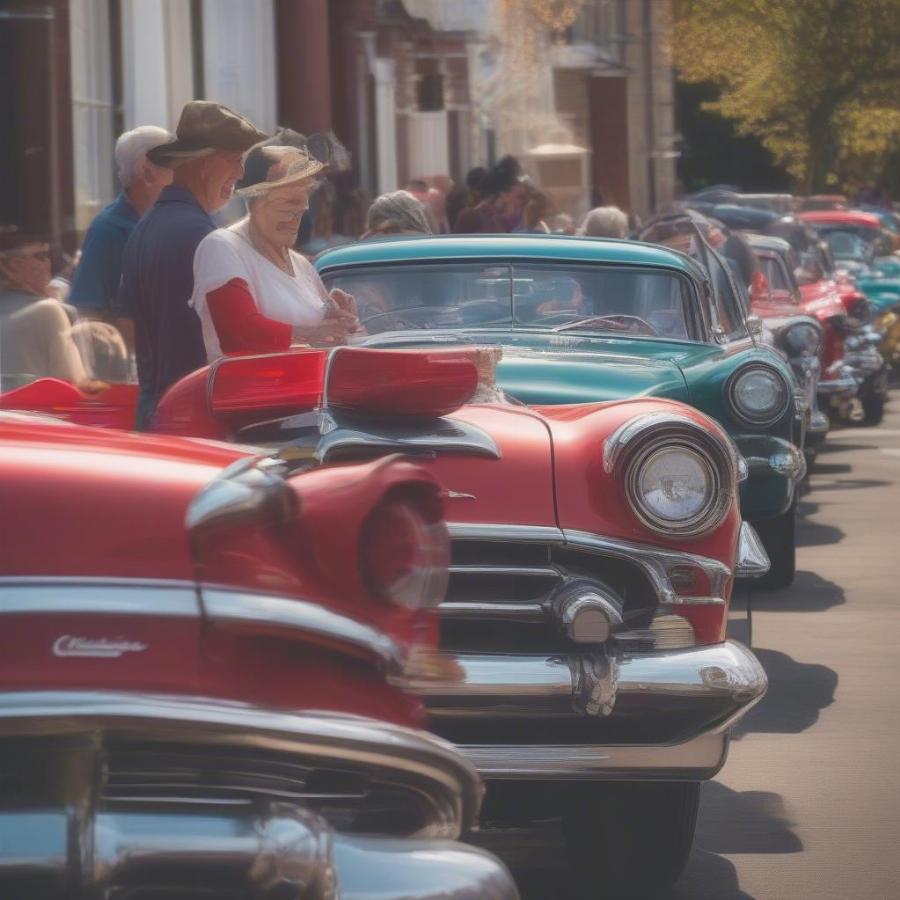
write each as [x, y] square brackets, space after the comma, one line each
[818, 81]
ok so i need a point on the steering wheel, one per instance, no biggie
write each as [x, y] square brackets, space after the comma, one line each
[408, 319]
[615, 322]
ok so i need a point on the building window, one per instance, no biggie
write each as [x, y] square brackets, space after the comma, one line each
[429, 85]
[96, 113]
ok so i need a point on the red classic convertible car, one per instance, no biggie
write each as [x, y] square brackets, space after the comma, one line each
[594, 551]
[202, 650]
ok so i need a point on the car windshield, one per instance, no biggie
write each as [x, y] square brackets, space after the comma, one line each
[603, 299]
[850, 243]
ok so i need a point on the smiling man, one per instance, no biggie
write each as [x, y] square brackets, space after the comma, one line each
[207, 157]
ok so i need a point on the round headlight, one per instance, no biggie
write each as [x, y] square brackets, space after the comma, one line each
[674, 488]
[758, 395]
[802, 338]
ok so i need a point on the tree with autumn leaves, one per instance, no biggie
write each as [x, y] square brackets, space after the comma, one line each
[817, 81]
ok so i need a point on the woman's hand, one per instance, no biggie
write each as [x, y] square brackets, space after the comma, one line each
[332, 330]
[343, 301]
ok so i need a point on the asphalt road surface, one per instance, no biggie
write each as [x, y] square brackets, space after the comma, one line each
[808, 804]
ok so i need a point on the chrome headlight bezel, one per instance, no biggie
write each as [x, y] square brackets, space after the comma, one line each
[634, 444]
[751, 417]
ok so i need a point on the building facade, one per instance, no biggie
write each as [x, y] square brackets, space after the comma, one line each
[579, 90]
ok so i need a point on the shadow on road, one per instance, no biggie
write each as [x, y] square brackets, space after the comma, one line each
[809, 593]
[732, 822]
[852, 484]
[797, 693]
[744, 822]
[708, 877]
[832, 468]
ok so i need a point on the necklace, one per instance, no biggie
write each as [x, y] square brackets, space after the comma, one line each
[277, 254]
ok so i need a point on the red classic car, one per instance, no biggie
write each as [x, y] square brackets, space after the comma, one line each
[199, 679]
[594, 552]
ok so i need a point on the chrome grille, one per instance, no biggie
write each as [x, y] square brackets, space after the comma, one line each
[499, 594]
[138, 773]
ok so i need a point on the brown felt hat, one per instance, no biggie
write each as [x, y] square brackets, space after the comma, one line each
[204, 128]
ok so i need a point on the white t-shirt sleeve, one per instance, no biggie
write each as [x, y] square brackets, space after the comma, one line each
[216, 262]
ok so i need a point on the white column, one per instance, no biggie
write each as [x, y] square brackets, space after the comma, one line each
[386, 123]
[239, 58]
[144, 74]
[157, 67]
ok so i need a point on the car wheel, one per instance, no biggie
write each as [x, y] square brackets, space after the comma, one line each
[629, 839]
[779, 537]
[873, 409]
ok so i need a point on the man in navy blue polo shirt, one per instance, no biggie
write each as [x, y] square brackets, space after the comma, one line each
[207, 157]
[96, 285]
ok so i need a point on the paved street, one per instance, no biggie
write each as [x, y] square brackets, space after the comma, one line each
[808, 805]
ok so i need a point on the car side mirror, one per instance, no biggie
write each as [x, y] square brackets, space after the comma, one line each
[754, 325]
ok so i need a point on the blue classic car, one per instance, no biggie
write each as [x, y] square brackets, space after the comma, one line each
[584, 320]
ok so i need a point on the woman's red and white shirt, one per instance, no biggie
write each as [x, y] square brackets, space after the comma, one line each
[245, 302]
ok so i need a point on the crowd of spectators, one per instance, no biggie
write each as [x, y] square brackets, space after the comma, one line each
[181, 267]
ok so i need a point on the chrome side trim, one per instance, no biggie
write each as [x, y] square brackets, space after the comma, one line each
[727, 676]
[752, 561]
[236, 607]
[340, 434]
[212, 722]
[40, 596]
[389, 869]
[693, 760]
[656, 563]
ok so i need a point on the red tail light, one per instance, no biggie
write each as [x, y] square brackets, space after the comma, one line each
[420, 383]
[405, 550]
[275, 383]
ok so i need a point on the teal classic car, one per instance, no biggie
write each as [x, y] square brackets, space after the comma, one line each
[584, 320]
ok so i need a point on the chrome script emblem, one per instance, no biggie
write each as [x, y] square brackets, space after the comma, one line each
[99, 648]
[456, 495]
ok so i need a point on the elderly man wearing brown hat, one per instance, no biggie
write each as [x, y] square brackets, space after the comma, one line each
[207, 157]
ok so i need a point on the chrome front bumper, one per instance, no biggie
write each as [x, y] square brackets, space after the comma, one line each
[845, 384]
[685, 700]
[62, 834]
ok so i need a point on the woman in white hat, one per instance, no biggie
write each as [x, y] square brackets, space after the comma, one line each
[252, 291]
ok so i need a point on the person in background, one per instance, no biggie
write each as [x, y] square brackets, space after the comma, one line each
[561, 223]
[35, 332]
[500, 211]
[463, 196]
[538, 208]
[207, 158]
[252, 291]
[605, 221]
[396, 212]
[96, 284]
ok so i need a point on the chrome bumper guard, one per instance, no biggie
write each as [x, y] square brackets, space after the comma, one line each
[712, 687]
[73, 840]
[752, 561]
